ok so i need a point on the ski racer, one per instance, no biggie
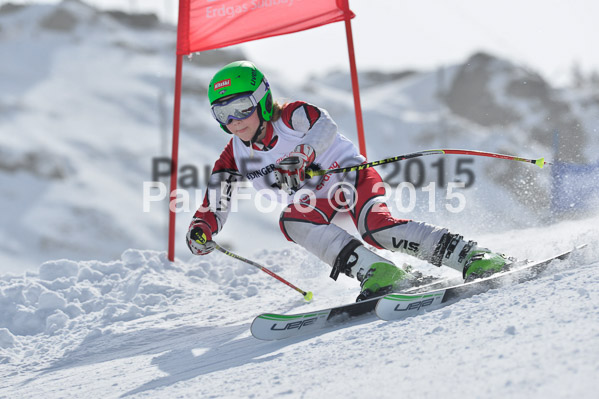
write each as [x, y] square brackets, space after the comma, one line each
[272, 145]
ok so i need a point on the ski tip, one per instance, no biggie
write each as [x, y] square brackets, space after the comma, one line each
[308, 296]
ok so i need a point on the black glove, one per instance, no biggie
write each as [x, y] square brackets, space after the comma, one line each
[199, 238]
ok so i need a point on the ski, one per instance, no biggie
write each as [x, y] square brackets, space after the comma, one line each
[401, 305]
[270, 326]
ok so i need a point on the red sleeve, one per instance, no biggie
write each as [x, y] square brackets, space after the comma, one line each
[224, 166]
[226, 161]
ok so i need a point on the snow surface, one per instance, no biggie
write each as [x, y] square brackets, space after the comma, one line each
[85, 314]
[140, 326]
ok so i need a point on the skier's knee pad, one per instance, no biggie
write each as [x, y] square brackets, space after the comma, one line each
[313, 231]
[298, 217]
[376, 220]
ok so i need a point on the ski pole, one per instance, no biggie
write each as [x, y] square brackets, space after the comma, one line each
[311, 173]
[307, 295]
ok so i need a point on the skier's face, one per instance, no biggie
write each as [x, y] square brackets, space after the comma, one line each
[245, 128]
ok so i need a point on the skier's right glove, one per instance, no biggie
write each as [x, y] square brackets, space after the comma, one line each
[290, 173]
[199, 238]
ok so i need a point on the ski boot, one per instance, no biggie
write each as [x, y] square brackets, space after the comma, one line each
[468, 258]
[377, 275]
[481, 262]
[382, 278]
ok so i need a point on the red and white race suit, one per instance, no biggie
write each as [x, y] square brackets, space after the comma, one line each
[307, 218]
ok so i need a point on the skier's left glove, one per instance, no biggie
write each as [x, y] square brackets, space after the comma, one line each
[290, 173]
[199, 238]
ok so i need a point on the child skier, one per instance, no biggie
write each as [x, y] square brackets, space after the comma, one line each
[272, 145]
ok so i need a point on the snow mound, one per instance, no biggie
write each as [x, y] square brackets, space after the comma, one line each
[141, 283]
[64, 291]
[86, 299]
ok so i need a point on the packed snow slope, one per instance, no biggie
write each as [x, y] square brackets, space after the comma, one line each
[140, 326]
[86, 106]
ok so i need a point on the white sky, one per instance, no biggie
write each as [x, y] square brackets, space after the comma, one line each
[548, 36]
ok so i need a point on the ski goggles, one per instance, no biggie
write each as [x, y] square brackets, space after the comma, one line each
[240, 107]
[237, 108]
